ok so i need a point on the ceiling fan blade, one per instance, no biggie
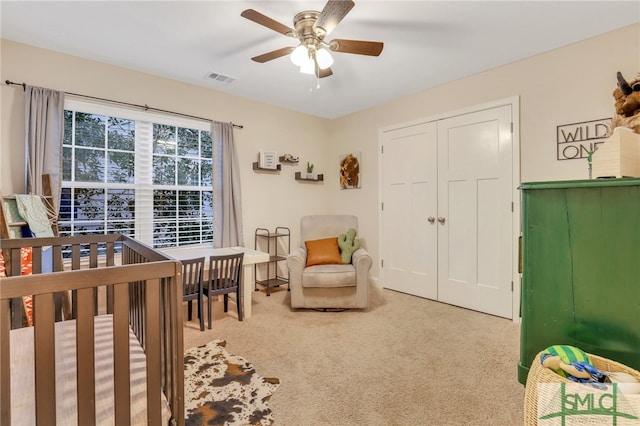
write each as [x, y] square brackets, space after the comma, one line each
[334, 11]
[264, 20]
[274, 54]
[323, 73]
[371, 48]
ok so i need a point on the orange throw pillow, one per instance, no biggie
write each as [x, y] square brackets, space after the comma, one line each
[323, 252]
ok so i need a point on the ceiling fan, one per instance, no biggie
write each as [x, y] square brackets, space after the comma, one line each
[310, 28]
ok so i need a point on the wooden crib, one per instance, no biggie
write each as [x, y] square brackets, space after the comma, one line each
[118, 359]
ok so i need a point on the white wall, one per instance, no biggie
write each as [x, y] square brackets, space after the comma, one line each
[567, 85]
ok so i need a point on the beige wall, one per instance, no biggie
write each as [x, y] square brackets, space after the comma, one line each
[269, 199]
[567, 85]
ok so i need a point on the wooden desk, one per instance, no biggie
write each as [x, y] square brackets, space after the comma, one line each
[251, 257]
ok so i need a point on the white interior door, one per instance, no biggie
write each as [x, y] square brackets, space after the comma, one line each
[410, 195]
[475, 211]
[458, 172]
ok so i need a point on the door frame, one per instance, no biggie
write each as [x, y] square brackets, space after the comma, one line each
[514, 102]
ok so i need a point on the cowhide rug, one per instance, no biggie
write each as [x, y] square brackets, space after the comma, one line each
[224, 389]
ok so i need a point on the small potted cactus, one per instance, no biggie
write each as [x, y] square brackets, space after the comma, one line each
[309, 170]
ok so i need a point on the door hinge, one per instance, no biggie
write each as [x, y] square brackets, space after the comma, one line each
[512, 207]
[382, 206]
[511, 286]
[381, 149]
[512, 127]
[382, 263]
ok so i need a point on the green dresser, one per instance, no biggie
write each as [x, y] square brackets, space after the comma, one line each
[581, 269]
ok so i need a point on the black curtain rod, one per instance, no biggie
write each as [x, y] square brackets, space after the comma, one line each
[144, 107]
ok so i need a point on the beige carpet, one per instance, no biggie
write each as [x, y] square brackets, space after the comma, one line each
[405, 361]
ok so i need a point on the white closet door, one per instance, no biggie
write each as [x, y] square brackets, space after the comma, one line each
[409, 185]
[475, 211]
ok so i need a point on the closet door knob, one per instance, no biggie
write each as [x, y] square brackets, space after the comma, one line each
[431, 219]
[442, 220]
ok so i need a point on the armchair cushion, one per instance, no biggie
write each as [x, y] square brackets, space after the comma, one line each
[323, 252]
[329, 276]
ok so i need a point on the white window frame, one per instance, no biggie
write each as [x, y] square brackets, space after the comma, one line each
[143, 185]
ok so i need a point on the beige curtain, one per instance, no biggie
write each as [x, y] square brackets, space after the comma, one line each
[44, 129]
[227, 201]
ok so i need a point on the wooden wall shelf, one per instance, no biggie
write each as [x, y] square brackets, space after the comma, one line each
[318, 178]
[256, 167]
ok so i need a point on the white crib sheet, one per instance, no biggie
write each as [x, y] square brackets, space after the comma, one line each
[23, 378]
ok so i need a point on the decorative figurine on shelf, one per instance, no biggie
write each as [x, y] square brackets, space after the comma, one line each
[309, 171]
[627, 96]
[288, 158]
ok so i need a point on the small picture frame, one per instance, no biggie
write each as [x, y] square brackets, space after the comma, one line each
[350, 171]
[268, 160]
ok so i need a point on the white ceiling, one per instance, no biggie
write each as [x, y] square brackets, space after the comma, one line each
[426, 43]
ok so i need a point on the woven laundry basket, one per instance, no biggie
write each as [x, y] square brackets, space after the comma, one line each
[541, 375]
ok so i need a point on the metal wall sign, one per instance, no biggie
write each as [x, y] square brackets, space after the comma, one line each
[577, 140]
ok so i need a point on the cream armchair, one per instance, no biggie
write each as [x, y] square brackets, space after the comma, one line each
[328, 285]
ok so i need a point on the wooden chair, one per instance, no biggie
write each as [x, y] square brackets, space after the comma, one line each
[225, 276]
[192, 273]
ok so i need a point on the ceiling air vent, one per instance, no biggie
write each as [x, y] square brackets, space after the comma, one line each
[221, 78]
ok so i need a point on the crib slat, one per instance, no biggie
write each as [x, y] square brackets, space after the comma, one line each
[110, 255]
[75, 257]
[93, 255]
[153, 351]
[14, 265]
[85, 358]
[177, 339]
[45, 357]
[5, 371]
[121, 366]
[58, 264]
[36, 260]
[93, 263]
[167, 336]
[75, 265]
[14, 268]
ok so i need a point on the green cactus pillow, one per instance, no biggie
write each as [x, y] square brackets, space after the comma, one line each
[348, 244]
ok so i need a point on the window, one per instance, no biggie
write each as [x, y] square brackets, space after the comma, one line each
[145, 175]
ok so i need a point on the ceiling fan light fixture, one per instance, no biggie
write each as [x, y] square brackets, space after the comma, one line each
[324, 58]
[300, 55]
[309, 67]
[310, 27]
